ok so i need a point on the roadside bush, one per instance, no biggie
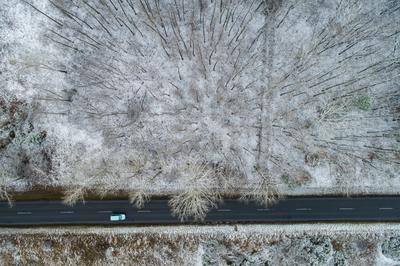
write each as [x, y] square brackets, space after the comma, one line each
[391, 248]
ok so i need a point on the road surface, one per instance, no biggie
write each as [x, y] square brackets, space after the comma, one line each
[298, 209]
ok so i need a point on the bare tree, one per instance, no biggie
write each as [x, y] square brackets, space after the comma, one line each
[73, 195]
[265, 192]
[92, 173]
[345, 174]
[7, 177]
[199, 196]
[194, 202]
[139, 197]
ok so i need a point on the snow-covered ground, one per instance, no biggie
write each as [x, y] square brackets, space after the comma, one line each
[167, 96]
[300, 244]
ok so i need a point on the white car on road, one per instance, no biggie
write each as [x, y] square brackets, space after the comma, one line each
[117, 217]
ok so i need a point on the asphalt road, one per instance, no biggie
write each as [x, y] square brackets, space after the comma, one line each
[299, 209]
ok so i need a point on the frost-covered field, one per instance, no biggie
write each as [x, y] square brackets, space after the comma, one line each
[199, 97]
[322, 244]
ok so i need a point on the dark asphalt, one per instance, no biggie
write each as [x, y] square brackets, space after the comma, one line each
[299, 209]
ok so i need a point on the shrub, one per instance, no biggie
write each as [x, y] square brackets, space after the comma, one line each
[362, 102]
[391, 248]
[296, 180]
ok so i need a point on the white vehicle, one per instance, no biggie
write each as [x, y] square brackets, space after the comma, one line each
[117, 217]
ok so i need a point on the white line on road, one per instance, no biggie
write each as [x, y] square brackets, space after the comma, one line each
[104, 212]
[22, 213]
[387, 208]
[262, 210]
[143, 211]
[303, 209]
[346, 209]
[224, 210]
[66, 212]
